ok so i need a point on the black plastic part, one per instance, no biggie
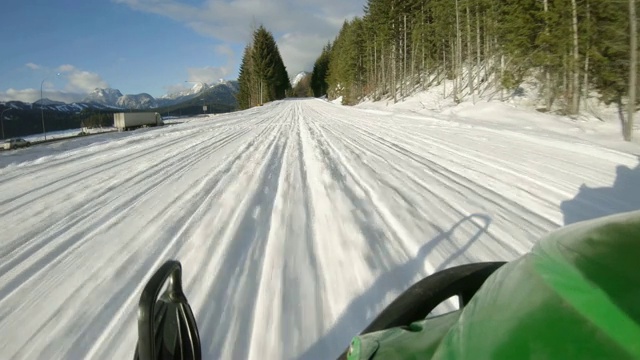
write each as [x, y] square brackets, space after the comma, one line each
[422, 297]
[167, 329]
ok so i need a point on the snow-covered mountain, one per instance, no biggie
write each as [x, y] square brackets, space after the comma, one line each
[194, 90]
[114, 98]
[296, 79]
[222, 92]
[220, 95]
[139, 101]
[103, 96]
[47, 102]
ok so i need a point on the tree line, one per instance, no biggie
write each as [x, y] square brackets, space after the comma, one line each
[573, 47]
[23, 122]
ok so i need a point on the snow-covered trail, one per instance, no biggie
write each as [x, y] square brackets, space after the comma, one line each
[296, 223]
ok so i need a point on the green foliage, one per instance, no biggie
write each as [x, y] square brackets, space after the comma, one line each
[319, 83]
[345, 76]
[245, 80]
[610, 55]
[263, 76]
[378, 54]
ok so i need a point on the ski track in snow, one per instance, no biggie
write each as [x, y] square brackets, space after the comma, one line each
[296, 223]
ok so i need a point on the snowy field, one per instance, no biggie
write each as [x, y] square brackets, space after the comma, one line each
[296, 222]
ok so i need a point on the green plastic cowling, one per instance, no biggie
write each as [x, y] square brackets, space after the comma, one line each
[576, 295]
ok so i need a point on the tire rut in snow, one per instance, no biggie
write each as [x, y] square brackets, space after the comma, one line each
[242, 265]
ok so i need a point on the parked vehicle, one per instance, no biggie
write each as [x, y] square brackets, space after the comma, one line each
[127, 121]
[15, 143]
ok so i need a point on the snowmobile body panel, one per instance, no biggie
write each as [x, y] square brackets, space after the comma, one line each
[575, 295]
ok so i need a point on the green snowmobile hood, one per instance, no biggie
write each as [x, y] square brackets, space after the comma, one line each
[576, 295]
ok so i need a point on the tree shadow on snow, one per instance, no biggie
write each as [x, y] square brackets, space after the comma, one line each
[591, 203]
[364, 308]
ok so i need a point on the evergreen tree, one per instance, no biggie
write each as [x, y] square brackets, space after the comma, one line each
[245, 81]
[263, 75]
[319, 83]
[264, 64]
[571, 46]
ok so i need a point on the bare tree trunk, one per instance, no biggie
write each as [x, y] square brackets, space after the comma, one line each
[376, 82]
[372, 72]
[575, 106]
[424, 67]
[478, 48]
[470, 56]
[587, 48]
[547, 74]
[413, 62]
[414, 56]
[487, 54]
[628, 125]
[394, 75]
[404, 59]
[454, 71]
[394, 59]
[382, 73]
[459, 51]
[444, 61]
[501, 77]
[564, 77]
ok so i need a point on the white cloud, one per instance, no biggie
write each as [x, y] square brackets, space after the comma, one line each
[299, 51]
[33, 95]
[71, 85]
[209, 74]
[81, 80]
[175, 88]
[85, 81]
[225, 50]
[308, 23]
[33, 66]
[66, 68]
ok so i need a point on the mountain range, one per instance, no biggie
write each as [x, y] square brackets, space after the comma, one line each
[222, 94]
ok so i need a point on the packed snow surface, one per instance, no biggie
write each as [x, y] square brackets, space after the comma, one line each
[296, 222]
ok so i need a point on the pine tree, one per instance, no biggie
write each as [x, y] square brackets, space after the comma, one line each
[263, 76]
[571, 46]
[245, 81]
[264, 64]
[319, 83]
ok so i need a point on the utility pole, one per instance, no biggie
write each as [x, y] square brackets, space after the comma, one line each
[2, 120]
[42, 108]
[575, 104]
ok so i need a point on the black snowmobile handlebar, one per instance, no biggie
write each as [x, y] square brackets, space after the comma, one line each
[166, 326]
[167, 329]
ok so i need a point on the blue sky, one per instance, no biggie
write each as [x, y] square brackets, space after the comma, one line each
[150, 46]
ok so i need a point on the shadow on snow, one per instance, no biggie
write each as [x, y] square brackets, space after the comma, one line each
[363, 309]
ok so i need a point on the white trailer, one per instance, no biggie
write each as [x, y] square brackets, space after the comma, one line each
[124, 121]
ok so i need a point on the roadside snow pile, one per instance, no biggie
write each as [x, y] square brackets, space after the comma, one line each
[598, 122]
